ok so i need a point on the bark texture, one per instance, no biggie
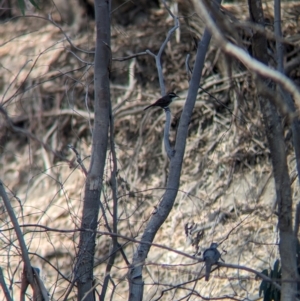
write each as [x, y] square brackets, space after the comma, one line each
[274, 132]
[85, 260]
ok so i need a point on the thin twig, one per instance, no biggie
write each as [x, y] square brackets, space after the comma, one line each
[114, 188]
[157, 57]
[125, 58]
[251, 63]
[27, 266]
[4, 287]
[196, 259]
[79, 160]
[28, 134]
[170, 152]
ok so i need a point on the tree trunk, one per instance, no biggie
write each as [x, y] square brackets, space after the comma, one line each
[274, 132]
[135, 276]
[85, 259]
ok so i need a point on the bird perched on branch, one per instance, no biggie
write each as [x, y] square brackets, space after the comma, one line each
[163, 102]
[211, 256]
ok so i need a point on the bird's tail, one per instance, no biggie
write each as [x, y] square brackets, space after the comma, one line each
[207, 271]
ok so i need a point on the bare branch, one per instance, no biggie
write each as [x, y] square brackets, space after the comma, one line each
[79, 160]
[161, 49]
[169, 150]
[113, 180]
[28, 275]
[135, 274]
[28, 134]
[125, 58]
[4, 287]
[251, 63]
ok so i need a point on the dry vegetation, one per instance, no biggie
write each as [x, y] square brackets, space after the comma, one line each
[226, 185]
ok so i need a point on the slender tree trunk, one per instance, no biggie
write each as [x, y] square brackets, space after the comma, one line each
[85, 260]
[135, 277]
[274, 132]
[286, 96]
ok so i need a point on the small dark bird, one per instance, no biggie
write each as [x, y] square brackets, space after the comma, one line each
[164, 101]
[210, 256]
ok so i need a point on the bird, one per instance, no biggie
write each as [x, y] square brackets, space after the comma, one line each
[210, 256]
[164, 101]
